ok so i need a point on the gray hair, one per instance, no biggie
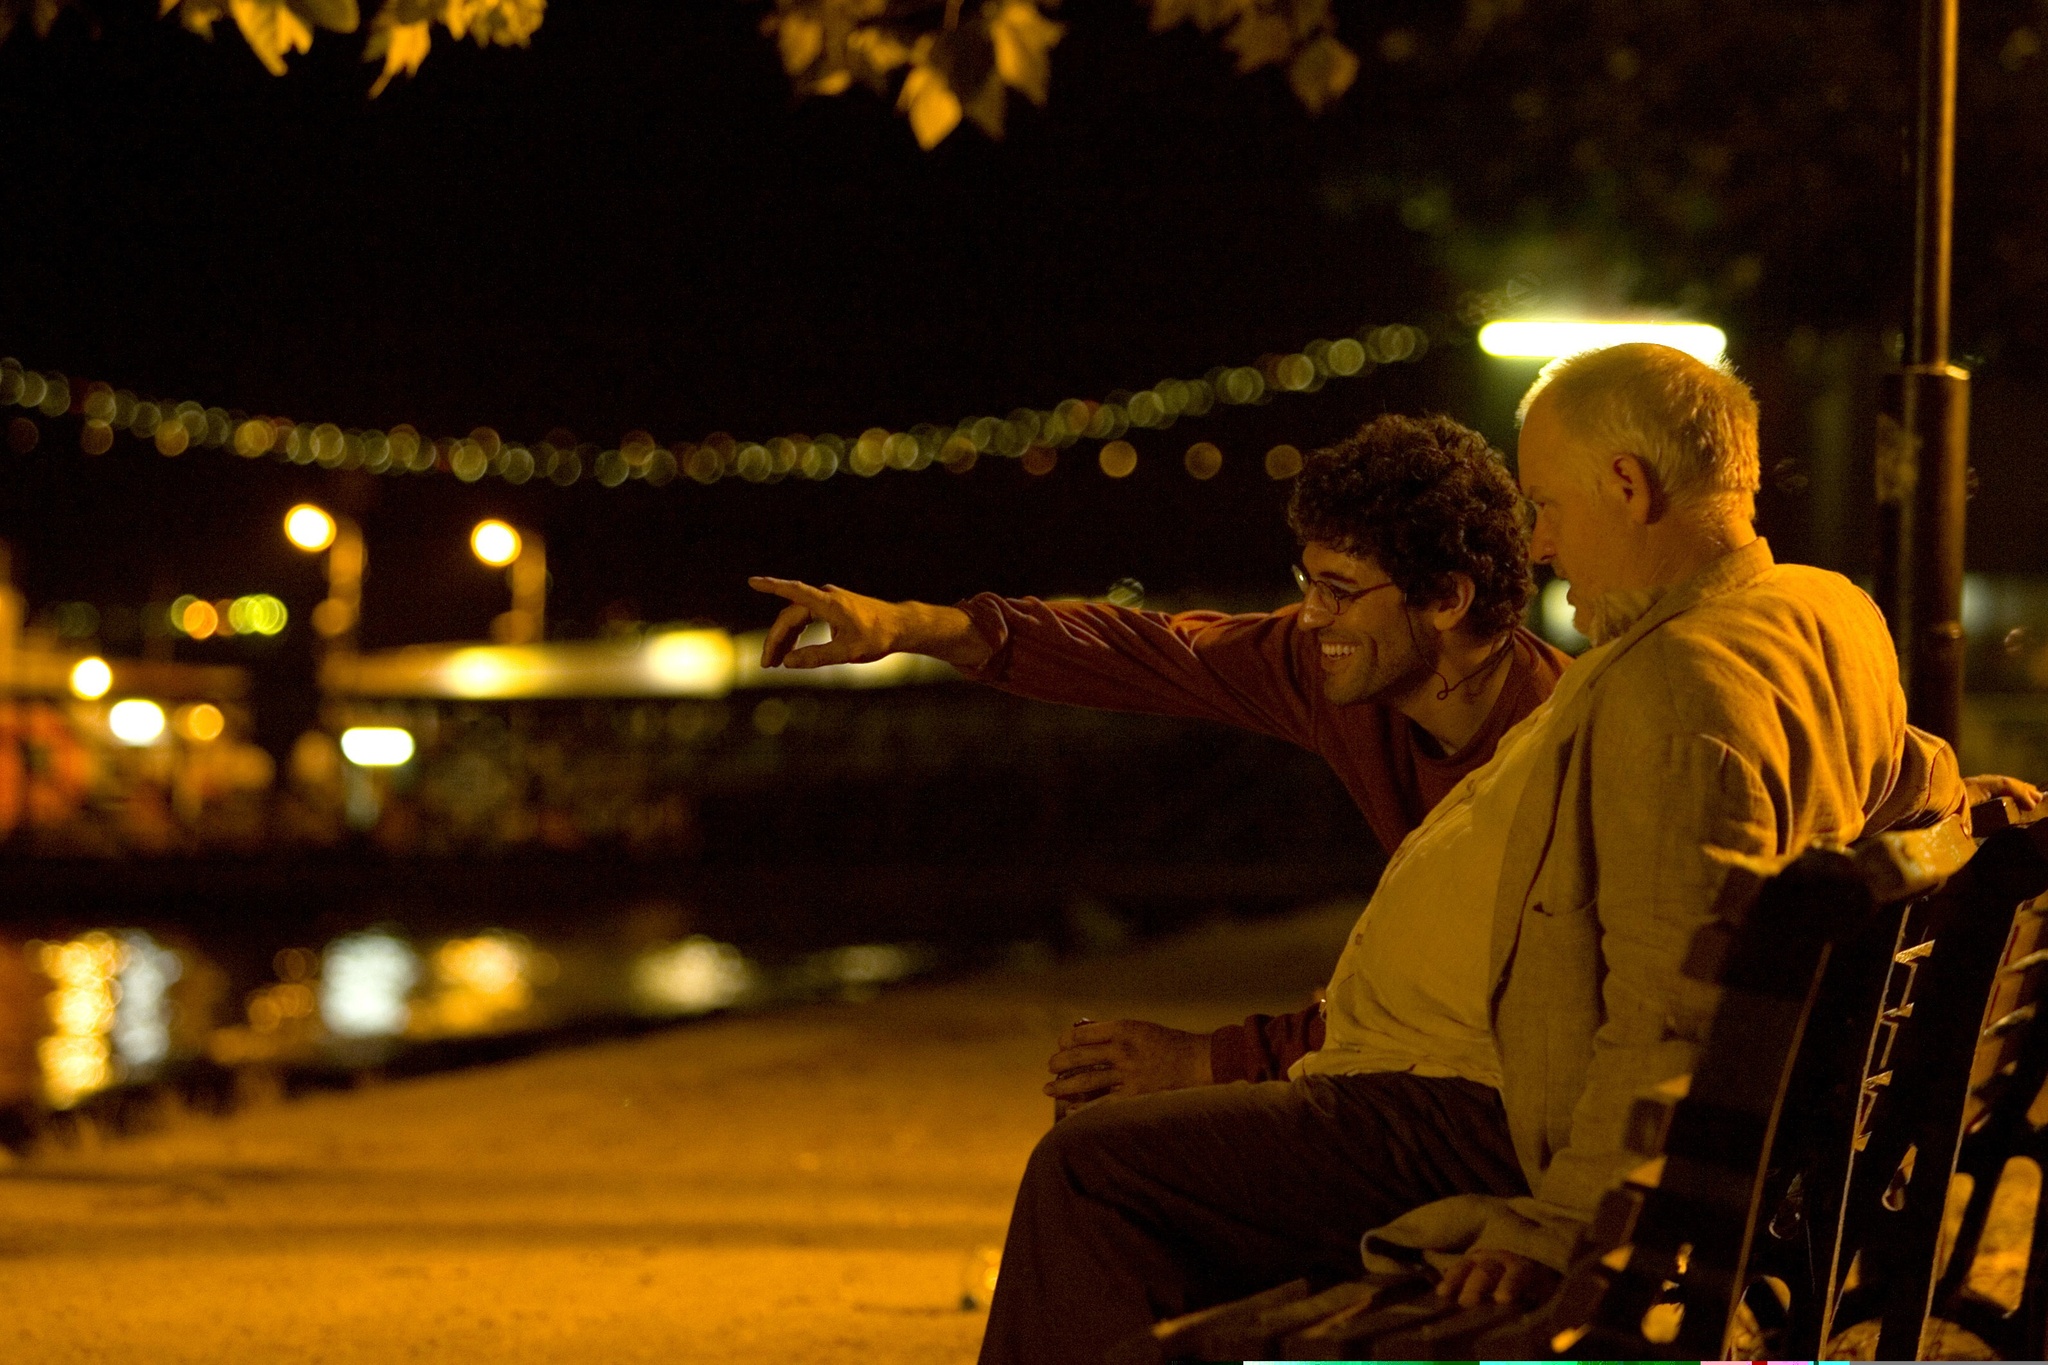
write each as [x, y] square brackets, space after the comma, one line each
[1692, 424]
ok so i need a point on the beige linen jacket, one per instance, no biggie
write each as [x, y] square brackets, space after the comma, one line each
[1749, 712]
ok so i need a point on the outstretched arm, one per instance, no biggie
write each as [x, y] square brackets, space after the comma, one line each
[864, 628]
[1253, 671]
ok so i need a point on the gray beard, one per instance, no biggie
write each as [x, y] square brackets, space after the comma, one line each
[1608, 617]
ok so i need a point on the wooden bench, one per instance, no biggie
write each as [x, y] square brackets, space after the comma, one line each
[1874, 1001]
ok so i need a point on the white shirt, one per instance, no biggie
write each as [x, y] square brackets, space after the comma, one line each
[1411, 990]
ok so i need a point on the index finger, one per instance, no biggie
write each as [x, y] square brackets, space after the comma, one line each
[803, 594]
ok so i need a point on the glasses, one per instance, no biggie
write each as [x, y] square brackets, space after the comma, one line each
[1324, 597]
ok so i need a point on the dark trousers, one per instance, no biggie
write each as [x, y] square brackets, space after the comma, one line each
[1142, 1209]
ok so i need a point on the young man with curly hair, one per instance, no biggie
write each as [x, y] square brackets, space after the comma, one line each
[1402, 667]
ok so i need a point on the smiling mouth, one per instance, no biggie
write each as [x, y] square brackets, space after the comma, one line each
[1333, 652]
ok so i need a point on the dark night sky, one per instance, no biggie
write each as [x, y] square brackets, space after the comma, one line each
[633, 224]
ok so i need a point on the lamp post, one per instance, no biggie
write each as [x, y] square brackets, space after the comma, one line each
[1923, 421]
[524, 558]
[313, 530]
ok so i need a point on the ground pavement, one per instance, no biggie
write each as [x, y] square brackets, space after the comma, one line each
[807, 1186]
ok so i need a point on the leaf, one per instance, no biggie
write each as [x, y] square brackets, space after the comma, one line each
[1322, 71]
[965, 56]
[272, 30]
[1022, 37]
[507, 23]
[336, 16]
[801, 38]
[402, 46]
[198, 15]
[1168, 14]
[1309, 16]
[933, 107]
[1260, 38]
[874, 52]
[989, 105]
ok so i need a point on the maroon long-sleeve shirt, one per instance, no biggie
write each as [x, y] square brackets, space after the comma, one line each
[1258, 672]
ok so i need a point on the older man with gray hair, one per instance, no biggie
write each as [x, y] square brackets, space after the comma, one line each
[1514, 981]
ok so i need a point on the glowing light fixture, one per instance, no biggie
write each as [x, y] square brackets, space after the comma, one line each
[1537, 339]
[309, 528]
[376, 746]
[90, 678]
[495, 543]
[136, 722]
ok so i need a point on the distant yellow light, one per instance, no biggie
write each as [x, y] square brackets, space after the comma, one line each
[376, 746]
[201, 721]
[256, 614]
[136, 722]
[1533, 339]
[495, 543]
[90, 678]
[690, 662]
[199, 619]
[309, 528]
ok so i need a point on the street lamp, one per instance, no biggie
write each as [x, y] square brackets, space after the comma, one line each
[524, 558]
[1548, 338]
[313, 530]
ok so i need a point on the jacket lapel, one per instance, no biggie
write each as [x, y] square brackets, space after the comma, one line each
[1535, 820]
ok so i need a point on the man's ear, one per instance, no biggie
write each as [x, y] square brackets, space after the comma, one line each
[1631, 480]
[1454, 603]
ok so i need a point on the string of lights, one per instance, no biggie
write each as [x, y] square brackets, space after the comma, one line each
[1032, 436]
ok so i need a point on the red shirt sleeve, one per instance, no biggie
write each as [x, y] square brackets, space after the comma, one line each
[1264, 1046]
[1246, 671]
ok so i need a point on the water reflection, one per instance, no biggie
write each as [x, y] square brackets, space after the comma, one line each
[366, 980]
[694, 976]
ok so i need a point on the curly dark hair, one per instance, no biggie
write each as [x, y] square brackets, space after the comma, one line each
[1424, 497]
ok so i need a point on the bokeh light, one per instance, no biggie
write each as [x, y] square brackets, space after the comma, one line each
[309, 528]
[90, 678]
[1203, 460]
[75, 1059]
[1118, 459]
[478, 983]
[365, 980]
[377, 746]
[1039, 460]
[257, 614]
[1283, 462]
[141, 1031]
[1295, 372]
[1555, 614]
[694, 976]
[1538, 339]
[95, 437]
[201, 722]
[136, 722]
[494, 542]
[1346, 357]
[198, 619]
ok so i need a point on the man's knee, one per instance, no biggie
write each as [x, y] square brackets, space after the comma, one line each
[1086, 1152]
